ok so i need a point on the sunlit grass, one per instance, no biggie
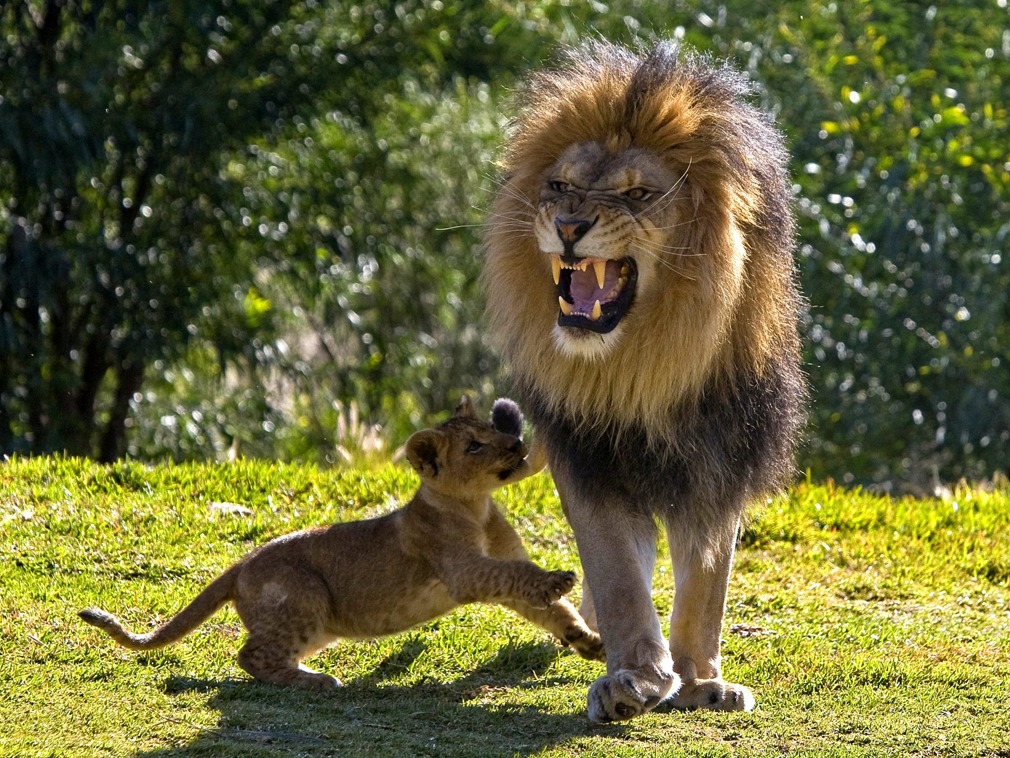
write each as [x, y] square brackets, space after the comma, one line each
[865, 626]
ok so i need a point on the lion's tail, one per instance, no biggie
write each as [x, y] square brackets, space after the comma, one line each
[189, 618]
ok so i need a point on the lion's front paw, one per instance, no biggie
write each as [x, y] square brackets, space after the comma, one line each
[626, 694]
[713, 694]
[553, 585]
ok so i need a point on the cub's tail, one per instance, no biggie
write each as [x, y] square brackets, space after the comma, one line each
[189, 618]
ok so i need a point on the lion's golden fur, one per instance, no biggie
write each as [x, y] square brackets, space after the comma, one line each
[729, 304]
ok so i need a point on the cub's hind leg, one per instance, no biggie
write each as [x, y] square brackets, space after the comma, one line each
[277, 661]
[287, 617]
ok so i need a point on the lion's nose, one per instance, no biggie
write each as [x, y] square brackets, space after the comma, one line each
[571, 230]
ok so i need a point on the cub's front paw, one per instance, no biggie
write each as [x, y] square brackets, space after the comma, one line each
[551, 586]
[626, 694]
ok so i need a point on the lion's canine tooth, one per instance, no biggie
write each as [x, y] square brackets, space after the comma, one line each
[556, 269]
[564, 306]
[597, 311]
[600, 267]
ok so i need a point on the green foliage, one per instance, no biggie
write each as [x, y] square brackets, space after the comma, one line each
[906, 198]
[260, 214]
[113, 119]
[366, 218]
[866, 626]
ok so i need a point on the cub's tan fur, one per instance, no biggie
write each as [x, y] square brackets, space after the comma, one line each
[640, 285]
[448, 546]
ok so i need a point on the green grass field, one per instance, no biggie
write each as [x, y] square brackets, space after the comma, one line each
[864, 625]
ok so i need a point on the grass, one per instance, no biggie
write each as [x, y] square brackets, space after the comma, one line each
[865, 626]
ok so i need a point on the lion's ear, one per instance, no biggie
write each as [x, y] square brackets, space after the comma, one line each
[425, 452]
[465, 408]
[506, 417]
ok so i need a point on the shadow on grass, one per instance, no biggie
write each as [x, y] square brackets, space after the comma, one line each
[372, 717]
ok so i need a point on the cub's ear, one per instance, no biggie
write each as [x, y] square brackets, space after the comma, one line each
[506, 417]
[425, 451]
[465, 408]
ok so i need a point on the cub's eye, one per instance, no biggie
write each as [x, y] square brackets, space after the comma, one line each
[558, 186]
[638, 193]
[474, 446]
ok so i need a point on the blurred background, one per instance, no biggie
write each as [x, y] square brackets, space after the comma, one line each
[249, 227]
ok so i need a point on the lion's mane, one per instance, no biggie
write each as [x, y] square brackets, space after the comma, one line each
[708, 372]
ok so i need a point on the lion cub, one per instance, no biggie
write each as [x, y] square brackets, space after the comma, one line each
[448, 546]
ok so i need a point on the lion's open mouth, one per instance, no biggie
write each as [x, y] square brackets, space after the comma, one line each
[593, 293]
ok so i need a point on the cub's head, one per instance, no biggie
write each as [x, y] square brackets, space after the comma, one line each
[469, 456]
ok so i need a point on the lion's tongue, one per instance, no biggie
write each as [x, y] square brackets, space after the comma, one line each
[585, 290]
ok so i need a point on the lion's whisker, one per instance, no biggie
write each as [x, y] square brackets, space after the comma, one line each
[686, 222]
[662, 255]
[670, 193]
[521, 223]
[510, 191]
[456, 227]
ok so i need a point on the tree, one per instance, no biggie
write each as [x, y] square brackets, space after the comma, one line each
[112, 118]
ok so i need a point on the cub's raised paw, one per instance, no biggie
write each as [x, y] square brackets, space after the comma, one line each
[712, 694]
[626, 694]
[551, 586]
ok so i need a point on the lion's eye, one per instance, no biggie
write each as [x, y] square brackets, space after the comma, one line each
[557, 186]
[474, 446]
[638, 193]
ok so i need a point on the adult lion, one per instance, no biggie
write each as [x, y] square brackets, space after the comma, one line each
[640, 284]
